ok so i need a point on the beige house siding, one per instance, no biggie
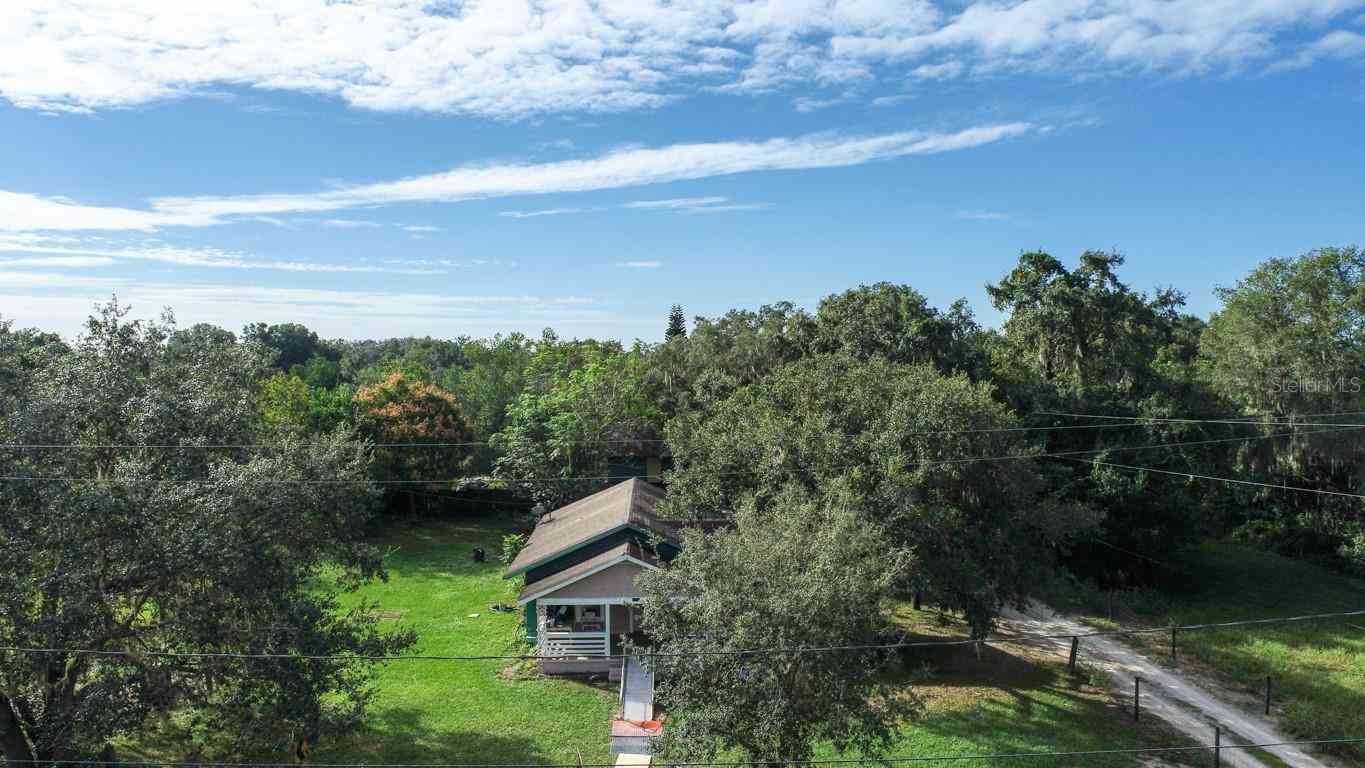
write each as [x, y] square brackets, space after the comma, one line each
[616, 581]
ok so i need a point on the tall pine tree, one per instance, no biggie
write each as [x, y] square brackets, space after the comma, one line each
[677, 324]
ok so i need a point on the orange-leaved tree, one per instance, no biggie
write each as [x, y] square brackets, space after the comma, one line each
[418, 428]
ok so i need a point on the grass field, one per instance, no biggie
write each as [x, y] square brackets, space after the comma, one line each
[1014, 698]
[469, 712]
[1007, 700]
[439, 711]
[1317, 669]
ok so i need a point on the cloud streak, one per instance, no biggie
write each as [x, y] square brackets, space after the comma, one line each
[60, 302]
[634, 167]
[349, 223]
[64, 253]
[983, 215]
[544, 212]
[674, 202]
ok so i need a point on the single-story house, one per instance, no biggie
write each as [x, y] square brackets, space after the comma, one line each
[580, 565]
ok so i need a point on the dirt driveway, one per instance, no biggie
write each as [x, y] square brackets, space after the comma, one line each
[1189, 707]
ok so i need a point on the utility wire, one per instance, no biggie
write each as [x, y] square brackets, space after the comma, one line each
[608, 478]
[627, 441]
[1235, 481]
[691, 654]
[731, 764]
[1162, 420]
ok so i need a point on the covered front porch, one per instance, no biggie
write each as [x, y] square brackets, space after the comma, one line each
[582, 634]
[578, 617]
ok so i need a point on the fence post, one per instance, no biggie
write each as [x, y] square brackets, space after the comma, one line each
[1137, 697]
[1217, 746]
[1267, 694]
[1172, 645]
[1075, 646]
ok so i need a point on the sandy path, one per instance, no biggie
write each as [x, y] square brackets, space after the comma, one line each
[1165, 693]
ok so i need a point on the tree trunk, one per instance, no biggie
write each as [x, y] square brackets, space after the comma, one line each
[12, 741]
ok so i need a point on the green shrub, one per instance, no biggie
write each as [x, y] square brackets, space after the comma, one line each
[512, 545]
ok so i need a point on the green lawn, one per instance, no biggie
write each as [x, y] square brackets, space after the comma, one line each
[1011, 699]
[1014, 698]
[469, 712]
[1317, 669]
[446, 711]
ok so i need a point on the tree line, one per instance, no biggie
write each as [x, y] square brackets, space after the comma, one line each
[869, 450]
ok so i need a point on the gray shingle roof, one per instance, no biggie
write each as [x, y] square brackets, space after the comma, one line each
[629, 504]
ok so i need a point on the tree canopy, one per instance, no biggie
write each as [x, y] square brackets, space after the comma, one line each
[803, 574]
[1290, 342]
[896, 442]
[148, 551]
[586, 405]
[422, 430]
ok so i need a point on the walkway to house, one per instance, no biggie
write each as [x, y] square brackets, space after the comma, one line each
[628, 738]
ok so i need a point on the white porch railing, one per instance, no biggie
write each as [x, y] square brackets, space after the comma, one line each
[570, 644]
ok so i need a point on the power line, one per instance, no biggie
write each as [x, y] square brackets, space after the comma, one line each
[692, 654]
[626, 441]
[730, 764]
[1192, 475]
[269, 446]
[1163, 420]
[609, 478]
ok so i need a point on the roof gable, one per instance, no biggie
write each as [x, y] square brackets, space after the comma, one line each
[627, 555]
[629, 504]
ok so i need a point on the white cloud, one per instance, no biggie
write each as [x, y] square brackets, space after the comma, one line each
[623, 168]
[1100, 36]
[451, 262]
[676, 202]
[60, 302]
[422, 228]
[640, 264]
[349, 223]
[732, 208]
[1339, 44]
[943, 71]
[544, 212]
[890, 101]
[58, 262]
[514, 58]
[813, 104]
[20, 212]
[983, 215]
[697, 205]
[91, 254]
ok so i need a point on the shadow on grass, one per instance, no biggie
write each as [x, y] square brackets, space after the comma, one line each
[398, 735]
[444, 547]
[1009, 697]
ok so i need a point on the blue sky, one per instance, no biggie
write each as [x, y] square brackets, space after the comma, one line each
[400, 167]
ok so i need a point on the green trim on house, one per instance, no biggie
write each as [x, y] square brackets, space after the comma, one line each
[531, 622]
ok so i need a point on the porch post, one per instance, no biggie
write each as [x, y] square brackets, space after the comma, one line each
[606, 613]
